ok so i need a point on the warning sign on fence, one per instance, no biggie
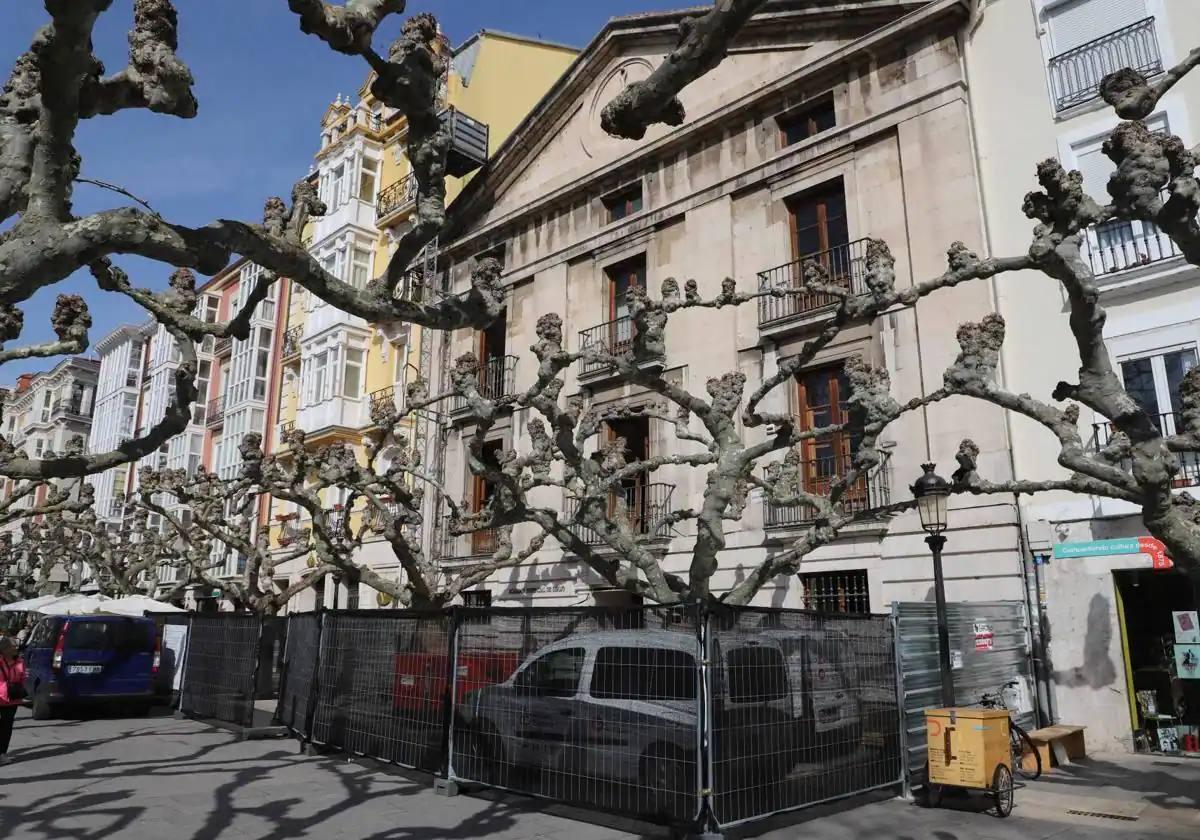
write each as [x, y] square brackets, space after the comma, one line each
[984, 639]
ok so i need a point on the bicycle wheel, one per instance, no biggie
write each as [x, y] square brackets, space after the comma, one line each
[1022, 745]
[1002, 790]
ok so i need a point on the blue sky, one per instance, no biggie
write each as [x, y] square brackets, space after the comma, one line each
[262, 87]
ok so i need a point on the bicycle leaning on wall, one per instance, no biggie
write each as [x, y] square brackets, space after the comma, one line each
[1022, 744]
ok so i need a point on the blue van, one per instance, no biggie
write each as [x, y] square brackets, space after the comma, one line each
[90, 659]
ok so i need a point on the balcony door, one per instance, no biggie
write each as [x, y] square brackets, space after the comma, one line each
[621, 278]
[484, 542]
[820, 232]
[492, 348]
[821, 396]
[632, 500]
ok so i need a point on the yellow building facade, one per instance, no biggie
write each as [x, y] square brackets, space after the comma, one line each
[334, 365]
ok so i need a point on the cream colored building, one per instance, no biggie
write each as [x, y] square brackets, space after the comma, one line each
[824, 126]
[1034, 67]
[334, 365]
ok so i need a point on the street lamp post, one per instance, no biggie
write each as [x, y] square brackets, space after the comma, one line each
[932, 493]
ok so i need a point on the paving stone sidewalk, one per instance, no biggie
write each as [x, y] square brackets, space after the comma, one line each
[159, 777]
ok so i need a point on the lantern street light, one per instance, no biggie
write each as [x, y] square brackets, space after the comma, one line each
[932, 493]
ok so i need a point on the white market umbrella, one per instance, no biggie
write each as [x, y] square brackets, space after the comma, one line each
[73, 604]
[30, 604]
[137, 605]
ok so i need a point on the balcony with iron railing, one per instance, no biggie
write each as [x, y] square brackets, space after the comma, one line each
[291, 344]
[1119, 245]
[447, 546]
[871, 490]
[377, 517]
[615, 338]
[285, 430]
[396, 197]
[1168, 423]
[1076, 74]
[215, 415]
[845, 265]
[644, 507]
[381, 400]
[497, 378]
[223, 347]
[416, 286]
[73, 408]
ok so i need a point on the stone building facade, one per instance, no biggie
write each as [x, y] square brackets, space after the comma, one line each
[824, 126]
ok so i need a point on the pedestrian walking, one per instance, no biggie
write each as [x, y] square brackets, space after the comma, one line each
[12, 691]
[23, 635]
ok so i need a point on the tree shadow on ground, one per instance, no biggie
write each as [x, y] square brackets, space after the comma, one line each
[1175, 786]
[247, 795]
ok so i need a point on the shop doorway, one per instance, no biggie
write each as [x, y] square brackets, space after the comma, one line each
[1164, 706]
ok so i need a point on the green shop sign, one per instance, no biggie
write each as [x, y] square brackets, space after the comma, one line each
[1108, 548]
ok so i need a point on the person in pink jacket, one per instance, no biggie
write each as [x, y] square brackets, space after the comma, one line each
[12, 691]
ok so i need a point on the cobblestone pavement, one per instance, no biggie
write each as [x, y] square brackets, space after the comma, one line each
[158, 777]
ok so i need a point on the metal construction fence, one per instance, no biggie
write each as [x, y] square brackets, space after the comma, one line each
[989, 648]
[682, 715]
[222, 667]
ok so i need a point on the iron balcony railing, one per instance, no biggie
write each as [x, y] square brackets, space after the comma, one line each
[447, 546]
[644, 507]
[291, 342]
[396, 196]
[285, 429]
[871, 490]
[383, 398]
[377, 519]
[1169, 423]
[613, 337]
[216, 412]
[845, 265]
[72, 407]
[415, 286]
[497, 378]
[223, 347]
[1118, 245]
[1076, 74]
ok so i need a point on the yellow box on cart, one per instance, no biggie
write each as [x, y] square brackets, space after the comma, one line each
[965, 745]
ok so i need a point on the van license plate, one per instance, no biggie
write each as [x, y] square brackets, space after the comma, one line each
[84, 669]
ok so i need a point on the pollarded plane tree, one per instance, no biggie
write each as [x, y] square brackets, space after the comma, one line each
[382, 494]
[219, 532]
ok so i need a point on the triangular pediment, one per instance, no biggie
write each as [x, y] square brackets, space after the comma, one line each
[561, 141]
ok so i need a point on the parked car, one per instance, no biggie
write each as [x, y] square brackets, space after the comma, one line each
[421, 678]
[87, 660]
[623, 706]
[823, 671]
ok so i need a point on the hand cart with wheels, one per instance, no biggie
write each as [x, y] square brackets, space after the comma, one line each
[969, 749]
